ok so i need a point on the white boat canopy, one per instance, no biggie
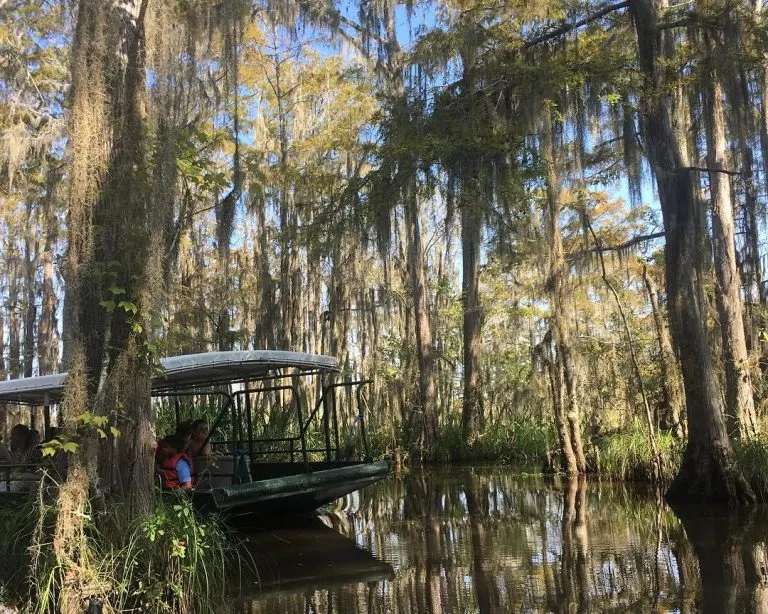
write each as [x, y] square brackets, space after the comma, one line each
[187, 371]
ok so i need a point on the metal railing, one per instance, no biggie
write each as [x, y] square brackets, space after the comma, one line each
[238, 405]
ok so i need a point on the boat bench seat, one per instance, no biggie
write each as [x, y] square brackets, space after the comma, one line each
[19, 478]
[219, 471]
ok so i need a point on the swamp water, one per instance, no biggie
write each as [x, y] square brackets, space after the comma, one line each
[494, 541]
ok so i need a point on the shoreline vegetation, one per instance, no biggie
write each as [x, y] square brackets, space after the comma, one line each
[169, 561]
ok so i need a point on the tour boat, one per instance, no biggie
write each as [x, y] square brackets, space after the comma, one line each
[253, 470]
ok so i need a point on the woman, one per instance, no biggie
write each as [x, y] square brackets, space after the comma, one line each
[200, 432]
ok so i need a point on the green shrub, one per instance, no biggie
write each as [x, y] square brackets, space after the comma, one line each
[627, 455]
[169, 561]
[752, 457]
[524, 442]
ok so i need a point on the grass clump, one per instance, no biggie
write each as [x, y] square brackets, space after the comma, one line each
[518, 441]
[752, 458]
[628, 455]
[170, 561]
[17, 523]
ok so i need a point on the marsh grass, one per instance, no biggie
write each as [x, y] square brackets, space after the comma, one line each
[171, 561]
[627, 455]
[521, 442]
[752, 457]
[17, 522]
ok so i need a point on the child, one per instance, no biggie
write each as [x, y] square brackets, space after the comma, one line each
[176, 467]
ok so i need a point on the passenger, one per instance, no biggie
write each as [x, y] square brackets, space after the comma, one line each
[162, 452]
[21, 444]
[5, 454]
[177, 469]
[184, 430]
[199, 434]
[23, 452]
[34, 449]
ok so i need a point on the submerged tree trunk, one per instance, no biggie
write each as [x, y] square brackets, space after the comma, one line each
[708, 471]
[740, 406]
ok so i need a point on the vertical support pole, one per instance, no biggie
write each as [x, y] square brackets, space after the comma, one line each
[326, 424]
[177, 411]
[302, 436]
[361, 417]
[46, 422]
[335, 422]
[249, 423]
[46, 416]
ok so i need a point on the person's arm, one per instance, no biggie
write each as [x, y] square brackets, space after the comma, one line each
[184, 473]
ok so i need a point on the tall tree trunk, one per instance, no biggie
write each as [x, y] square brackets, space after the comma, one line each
[415, 261]
[556, 283]
[740, 406]
[109, 221]
[471, 228]
[674, 397]
[3, 414]
[30, 300]
[2, 346]
[548, 354]
[708, 470]
[14, 325]
[47, 351]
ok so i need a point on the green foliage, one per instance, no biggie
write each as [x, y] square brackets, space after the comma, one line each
[174, 560]
[519, 441]
[68, 444]
[17, 522]
[752, 458]
[169, 561]
[627, 454]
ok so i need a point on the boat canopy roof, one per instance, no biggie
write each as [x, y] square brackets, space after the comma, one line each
[186, 371]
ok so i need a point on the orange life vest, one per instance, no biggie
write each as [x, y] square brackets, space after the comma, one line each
[168, 470]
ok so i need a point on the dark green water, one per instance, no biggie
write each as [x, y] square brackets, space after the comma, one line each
[493, 541]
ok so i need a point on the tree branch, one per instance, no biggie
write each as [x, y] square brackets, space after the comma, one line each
[578, 24]
[617, 248]
[704, 169]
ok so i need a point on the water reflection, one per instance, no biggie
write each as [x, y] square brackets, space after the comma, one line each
[492, 541]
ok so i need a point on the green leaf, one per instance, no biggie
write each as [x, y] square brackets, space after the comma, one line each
[69, 446]
[128, 306]
[108, 305]
[115, 431]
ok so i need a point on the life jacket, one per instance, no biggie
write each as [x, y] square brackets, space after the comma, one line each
[168, 470]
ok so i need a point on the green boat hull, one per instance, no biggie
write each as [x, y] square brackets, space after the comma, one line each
[296, 494]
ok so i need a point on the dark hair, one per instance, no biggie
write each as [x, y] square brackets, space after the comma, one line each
[176, 441]
[198, 422]
[22, 429]
[184, 429]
